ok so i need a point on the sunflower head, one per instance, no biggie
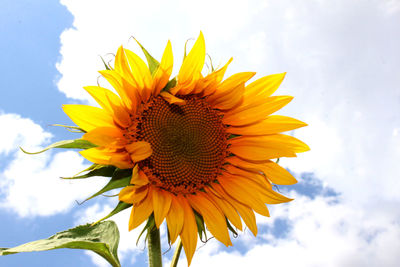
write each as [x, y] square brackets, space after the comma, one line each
[198, 145]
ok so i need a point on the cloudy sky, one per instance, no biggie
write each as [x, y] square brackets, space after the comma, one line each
[343, 63]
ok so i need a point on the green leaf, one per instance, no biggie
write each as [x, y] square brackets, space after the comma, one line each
[153, 63]
[95, 170]
[103, 239]
[120, 178]
[120, 207]
[76, 143]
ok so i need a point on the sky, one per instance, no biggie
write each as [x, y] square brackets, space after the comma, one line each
[343, 69]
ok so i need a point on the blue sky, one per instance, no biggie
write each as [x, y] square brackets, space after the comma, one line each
[342, 60]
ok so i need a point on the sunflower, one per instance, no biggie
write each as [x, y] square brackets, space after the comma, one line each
[197, 145]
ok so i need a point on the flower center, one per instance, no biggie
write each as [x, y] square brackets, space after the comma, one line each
[189, 143]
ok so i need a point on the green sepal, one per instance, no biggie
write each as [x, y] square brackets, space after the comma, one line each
[76, 143]
[233, 136]
[184, 52]
[170, 84]
[102, 239]
[211, 63]
[235, 234]
[105, 64]
[150, 224]
[94, 170]
[120, 207]
[73, 129]
[120, 178]
[153, 63]
[201, 229]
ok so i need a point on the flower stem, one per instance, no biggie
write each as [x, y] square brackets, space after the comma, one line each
[154, 248]
[178, 250]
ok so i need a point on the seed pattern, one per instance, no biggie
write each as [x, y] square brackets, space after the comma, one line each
[189, 143]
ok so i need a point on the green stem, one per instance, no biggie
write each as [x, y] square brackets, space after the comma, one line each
[178, 250]
[154, 248]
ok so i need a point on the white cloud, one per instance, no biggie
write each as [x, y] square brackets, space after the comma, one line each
[30, 184]
[20, 132]
[342, 60]
[320, 234]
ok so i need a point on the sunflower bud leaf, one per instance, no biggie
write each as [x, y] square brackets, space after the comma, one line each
[103, 239]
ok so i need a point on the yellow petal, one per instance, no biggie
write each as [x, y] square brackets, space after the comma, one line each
[230, 83]
[88, 117]
[103, 156]
[258, 151]
[127, 194]
[230, 100]
[213, 217]
[273, 140]
[255, 112]
[175, 219]
[266, 147]
[162, 74]
[112, 103]
[189, 229]
[275, 173]
[226, 208]
[141, 212]
[211, 81]
[161, 203]
[194, 62]
[245, 211]
[122, 66]
[244, 191]
[126, 90]
[138, 177]
[278, 175]
[172, 99]
[271, 125]
[268, 195]
[254, 176]
[121, 160]
[140, 192]
[263, 87]
[105, 136]
[103, 96]
[141, 74]
[139, 150]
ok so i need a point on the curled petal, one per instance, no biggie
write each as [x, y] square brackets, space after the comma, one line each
[172, 99]
[139, 150]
